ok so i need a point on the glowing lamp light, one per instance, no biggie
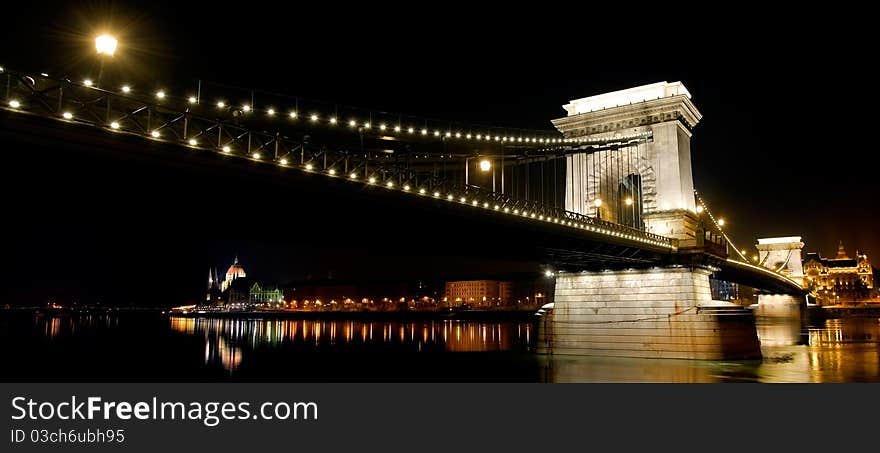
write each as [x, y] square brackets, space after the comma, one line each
[424, 132]
[410, 130]
[160, 94]
[270, 112]
[87, 82]
[226, 149]
[396, 128]
[353, 176]
[449, 197]
[721, 222]
[352, 123]
[114, 125]
[422, 191]
[193, 142]
[449, 134]
[548, 273]
[436, 133]
[333, 120]
[755, 258]
[221, 104]
[743, 251]
[67, 115]
[256, 155]
[292, 115]
[313, 117]
[283, 161]
[246, 108]
[628, 201]
[331, 171]
[597, 202]
[126, 88]
[372, 180]
[382, 127]
[468, 136]
[699, 208]
[436, 194]
[462, 199]
[485, 165]
[366, 125]
[406, 187]
[389, 184]
[309, 166]
[106, 44]
[155, 134]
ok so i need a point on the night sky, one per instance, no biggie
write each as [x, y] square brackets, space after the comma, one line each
[781, 149]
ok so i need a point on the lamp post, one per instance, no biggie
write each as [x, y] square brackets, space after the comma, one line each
[598, 203]
[485, 165]
[105, 45]
[629, 202]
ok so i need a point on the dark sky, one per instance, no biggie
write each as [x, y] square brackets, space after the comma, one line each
[782, 148]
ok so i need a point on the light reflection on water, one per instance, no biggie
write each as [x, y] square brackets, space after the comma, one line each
[226, 338]
[834, 350]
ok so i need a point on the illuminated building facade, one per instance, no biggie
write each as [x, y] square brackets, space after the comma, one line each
[840, 279]
[234, 272]
[478, 293]
[265, 295]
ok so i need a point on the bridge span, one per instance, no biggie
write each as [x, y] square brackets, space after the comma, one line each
[606, 201]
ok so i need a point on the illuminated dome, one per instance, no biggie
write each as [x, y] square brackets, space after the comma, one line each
[235, 271]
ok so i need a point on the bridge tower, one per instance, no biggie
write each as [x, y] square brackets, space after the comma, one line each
[665, 311]
[655, 175]
[781, 254]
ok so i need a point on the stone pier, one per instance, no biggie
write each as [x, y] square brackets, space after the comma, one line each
[648, 313]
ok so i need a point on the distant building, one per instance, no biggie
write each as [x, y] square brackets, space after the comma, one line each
[265, 295]
[839, 279]
[234, 272]
[484, 293]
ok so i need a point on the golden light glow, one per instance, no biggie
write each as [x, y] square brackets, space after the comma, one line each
[313, 117]
[410, 130]
[226, 149]
[485, 165]
[246, 108]
[424, 132]
[389, 184]
[353, 176]
[309, 166]
[396, 128]
[721, 222]
[193, 142]
[114, 125]
[597, 202]
[406, 187]
[106, 44]
[382, 127]
[629, 201]
[283, 161]
[256, 155]
[366, 125]
[221, 104]
[699, 208]
[352, 123]
[270, 112]
[160, 94]
[67, 115]
[293, 115]
[192, 99]
[331, 171]
[333, 120]
[155, 134]
[372, 180]
[422, 191]
[755, 258]
[87, 82]
[126, 88]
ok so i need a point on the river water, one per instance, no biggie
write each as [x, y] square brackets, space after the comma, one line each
[141, 347]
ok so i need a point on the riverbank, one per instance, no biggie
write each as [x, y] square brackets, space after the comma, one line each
[470, 315]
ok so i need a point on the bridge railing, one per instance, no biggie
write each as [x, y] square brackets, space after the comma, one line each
[64, 100]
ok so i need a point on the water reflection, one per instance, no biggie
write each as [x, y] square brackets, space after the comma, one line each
[225, 339]
[834, 350]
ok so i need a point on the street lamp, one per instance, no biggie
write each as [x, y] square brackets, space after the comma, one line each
[721, 222]
[105, 45]
[485, 165]
[598, 203]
